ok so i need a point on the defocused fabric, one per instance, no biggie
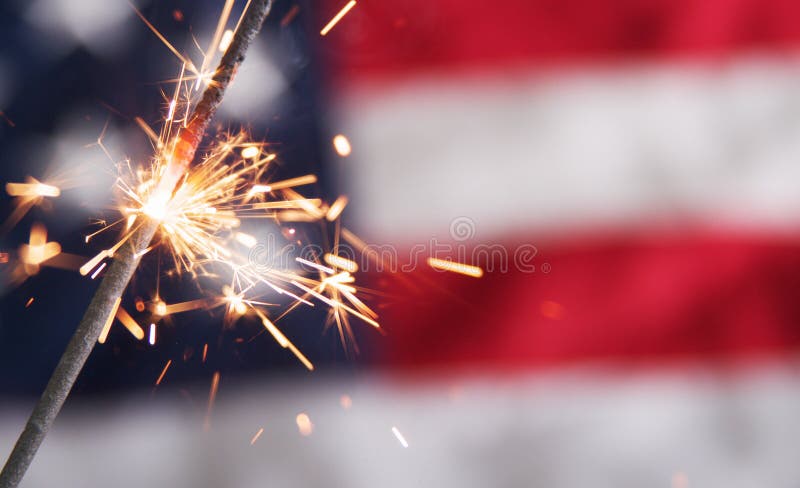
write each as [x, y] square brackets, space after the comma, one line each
[595, 427]
[624, 173]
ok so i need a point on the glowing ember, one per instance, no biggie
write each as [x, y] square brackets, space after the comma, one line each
[250, 152]
[160, 308]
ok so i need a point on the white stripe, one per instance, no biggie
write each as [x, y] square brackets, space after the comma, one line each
[615, 146]
[582, 428]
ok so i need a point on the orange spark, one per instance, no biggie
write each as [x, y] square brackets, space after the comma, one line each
[227, 37]
[133, 327]
[38, 250]
[212, 396]
[336, 208]
[163, 372]
[109, 321]
[341, 263]
[255, 437]
[160, 308]
[335, 20]
[32, 189]
[290, 15]
[453, 267]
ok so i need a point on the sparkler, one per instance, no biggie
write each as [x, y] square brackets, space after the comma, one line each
[127, 257]
[195, 213]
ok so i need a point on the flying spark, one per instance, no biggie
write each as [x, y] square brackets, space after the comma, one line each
[109, 321]
[32, 189]
[453, 267]
[212, 396]
[335, 20]
[98, 270]
[227, 37]
[255, 437]
[304, 425]
[342, 145]
[400, 438]
[38, 250]
[163, 372]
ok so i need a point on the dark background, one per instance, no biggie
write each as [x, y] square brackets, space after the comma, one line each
[87, 90]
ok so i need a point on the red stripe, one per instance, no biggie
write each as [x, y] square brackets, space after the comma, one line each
[391, 38]
[616, 298]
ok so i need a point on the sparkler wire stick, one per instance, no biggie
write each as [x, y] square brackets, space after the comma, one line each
[128, 256]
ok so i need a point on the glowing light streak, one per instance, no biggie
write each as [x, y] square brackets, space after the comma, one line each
[342, 145]
[109, 321]
[335, 20]
[453, 267]
[255, 437]
[400, 438]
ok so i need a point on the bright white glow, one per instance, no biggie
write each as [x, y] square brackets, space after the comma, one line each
[400, 437]
[342, 145]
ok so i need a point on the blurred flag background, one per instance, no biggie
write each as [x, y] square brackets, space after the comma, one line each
[625, 173]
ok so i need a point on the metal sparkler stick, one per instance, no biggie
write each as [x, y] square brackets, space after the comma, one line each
[128, 256]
